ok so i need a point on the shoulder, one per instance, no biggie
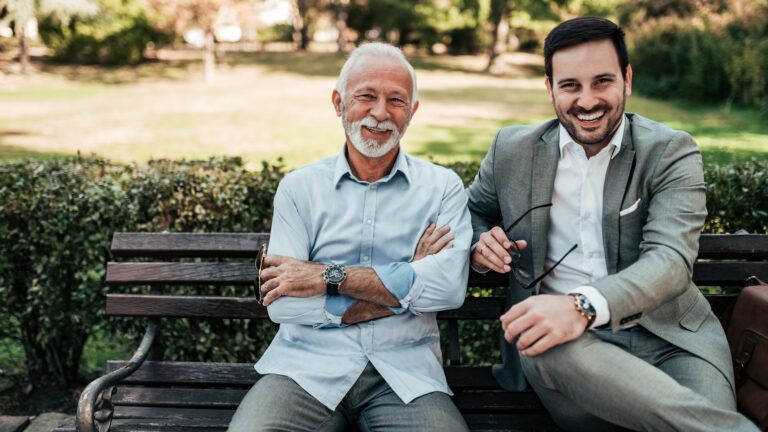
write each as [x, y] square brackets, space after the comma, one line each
[650, 136]
[311, 174]
[424, 171]
[524, 134]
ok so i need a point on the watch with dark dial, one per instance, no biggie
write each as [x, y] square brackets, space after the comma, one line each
[584, 307]
[334, 275]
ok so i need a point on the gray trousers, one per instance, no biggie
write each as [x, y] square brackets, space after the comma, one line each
[277, 403]
[634, 380]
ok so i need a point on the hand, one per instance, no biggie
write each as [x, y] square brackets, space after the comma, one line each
[365, 311]
[433, 241]
[542, 322]
[492, 251]
[286, 276]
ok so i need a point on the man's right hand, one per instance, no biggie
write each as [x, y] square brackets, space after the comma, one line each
[493, 251]
[433, 241]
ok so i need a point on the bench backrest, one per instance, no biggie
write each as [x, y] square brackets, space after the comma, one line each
[228, 259]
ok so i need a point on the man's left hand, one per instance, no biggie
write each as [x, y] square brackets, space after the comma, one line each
[542, 322]
[286, 276]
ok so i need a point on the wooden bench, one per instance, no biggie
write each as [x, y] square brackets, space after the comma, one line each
[141, 394]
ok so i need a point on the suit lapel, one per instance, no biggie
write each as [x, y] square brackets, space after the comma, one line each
[545, 157]
[616, 181]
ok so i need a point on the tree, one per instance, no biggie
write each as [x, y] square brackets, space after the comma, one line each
[180, 15]
[22, 12]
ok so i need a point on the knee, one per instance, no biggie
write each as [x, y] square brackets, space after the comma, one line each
[570, 358]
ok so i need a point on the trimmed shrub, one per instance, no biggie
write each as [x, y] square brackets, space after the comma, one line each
[117, 35]
[57, 218]
[702, 63]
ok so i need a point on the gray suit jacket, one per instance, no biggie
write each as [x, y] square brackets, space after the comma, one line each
[649, 251]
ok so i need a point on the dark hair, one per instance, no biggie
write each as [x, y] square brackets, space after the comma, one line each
[584, 29]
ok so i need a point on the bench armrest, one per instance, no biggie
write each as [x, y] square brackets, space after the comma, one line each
[88, 413]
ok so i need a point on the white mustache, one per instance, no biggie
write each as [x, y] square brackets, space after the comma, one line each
[372, 123]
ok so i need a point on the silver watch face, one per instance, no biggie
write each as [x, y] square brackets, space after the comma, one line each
[334, 274]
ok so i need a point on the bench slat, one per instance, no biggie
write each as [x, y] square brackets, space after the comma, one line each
[221, 398]
[151, 305]
[126, 244]
[220, 273]
[734, 246]
[160, 245]
[159, 306]
[244, 375]
[171, 273]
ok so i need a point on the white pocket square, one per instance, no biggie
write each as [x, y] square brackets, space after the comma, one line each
[630, 209]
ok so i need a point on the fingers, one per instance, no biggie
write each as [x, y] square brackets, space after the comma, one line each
[271, 296]
[274, 260]
[491, 253]
[542, 345]
[529, 337]
[441, 243]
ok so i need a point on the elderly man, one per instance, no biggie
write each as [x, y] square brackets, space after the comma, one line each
[366, 247]
[599, 213]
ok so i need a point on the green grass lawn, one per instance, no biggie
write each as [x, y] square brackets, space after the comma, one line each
[277, 104]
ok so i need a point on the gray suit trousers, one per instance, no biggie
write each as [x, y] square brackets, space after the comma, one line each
[634, 380]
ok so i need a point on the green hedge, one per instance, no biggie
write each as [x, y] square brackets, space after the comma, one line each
[703, 62]
[57, 218]
[117, 35]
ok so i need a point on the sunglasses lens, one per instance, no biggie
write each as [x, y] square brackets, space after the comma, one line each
[523, 277]
[260, 266]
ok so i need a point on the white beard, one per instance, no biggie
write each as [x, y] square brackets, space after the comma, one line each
[370, 147]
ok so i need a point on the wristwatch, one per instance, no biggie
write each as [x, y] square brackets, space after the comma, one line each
[334, 275]
[584, 307]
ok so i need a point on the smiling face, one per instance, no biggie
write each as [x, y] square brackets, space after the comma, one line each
[376, 109]
[589, 92]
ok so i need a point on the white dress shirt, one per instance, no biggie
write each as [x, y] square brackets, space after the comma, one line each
[324, 214]
[576, 218]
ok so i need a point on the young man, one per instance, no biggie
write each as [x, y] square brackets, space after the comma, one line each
[605, 210]
[351, 279]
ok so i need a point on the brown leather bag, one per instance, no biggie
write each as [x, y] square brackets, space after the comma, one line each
[747, 332]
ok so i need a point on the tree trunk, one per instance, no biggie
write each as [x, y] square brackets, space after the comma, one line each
[340, 20]
[24, 49]
[500, 32]
[301, 25]
[209, 56]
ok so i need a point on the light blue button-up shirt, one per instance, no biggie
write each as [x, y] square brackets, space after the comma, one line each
[323, 213]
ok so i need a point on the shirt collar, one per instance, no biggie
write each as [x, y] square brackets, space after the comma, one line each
[614, 143]
[343, 169]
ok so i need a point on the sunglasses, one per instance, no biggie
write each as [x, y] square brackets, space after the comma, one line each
[524, 278]
[260, 265]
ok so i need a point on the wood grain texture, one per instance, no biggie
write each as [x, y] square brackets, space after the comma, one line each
[187, 244]
[168, 306]
[171, 273]
[244, 375]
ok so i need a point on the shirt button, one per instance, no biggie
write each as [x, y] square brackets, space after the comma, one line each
[373, 187]
[368, 221]
[365, 258]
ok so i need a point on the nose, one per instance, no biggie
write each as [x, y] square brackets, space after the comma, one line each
[379, 109]
[587, 99]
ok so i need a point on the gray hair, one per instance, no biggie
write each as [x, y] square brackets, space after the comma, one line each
[375, 49]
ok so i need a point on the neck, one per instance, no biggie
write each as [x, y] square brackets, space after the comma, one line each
[370, 169]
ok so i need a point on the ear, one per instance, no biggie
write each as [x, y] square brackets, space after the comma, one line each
[336, 100]
[415, 107]
[628, 81]
[549, 87]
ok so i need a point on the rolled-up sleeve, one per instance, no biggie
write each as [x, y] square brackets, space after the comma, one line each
[440, 281]
[289, 237]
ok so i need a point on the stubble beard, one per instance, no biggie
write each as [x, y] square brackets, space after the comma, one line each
[600, 140]
[370, 147]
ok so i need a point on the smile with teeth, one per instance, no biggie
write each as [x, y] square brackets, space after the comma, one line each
[590, 117]
[376, 130]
